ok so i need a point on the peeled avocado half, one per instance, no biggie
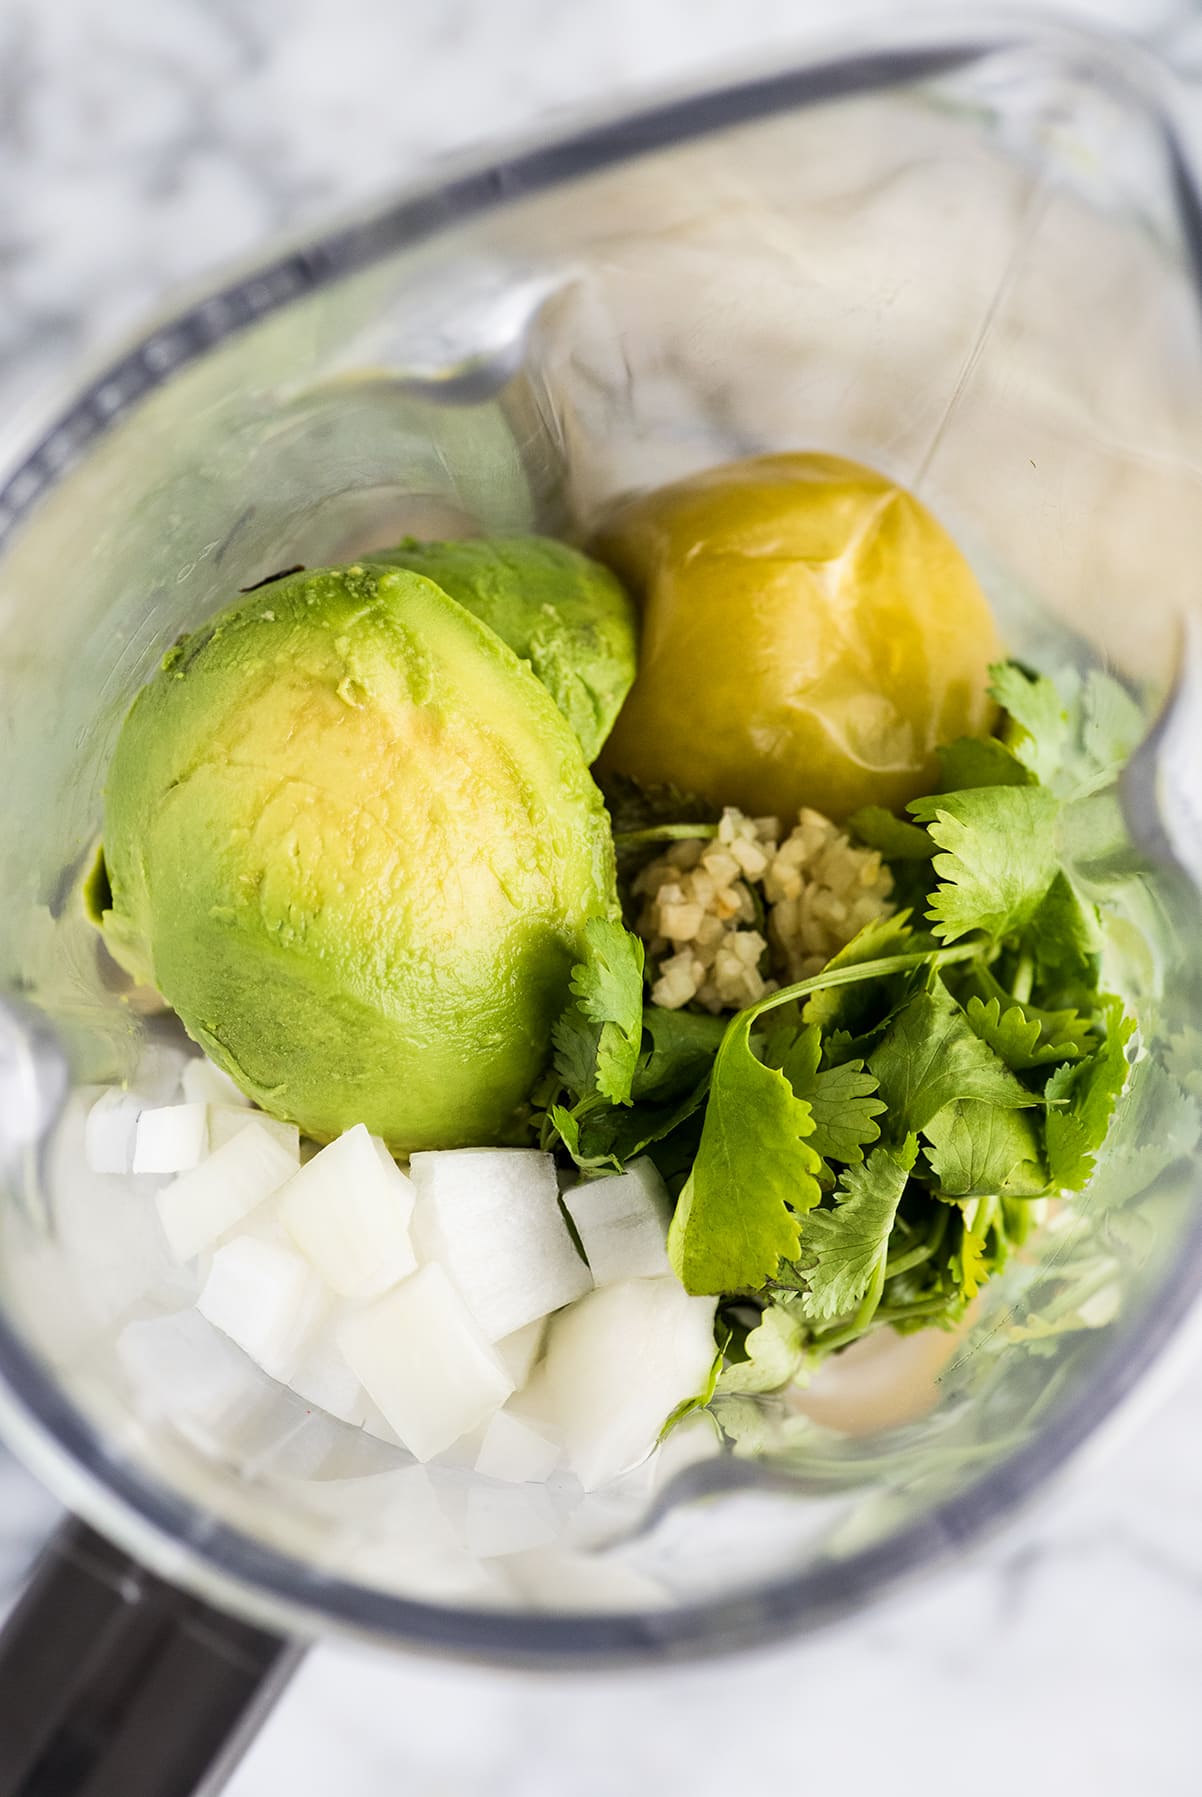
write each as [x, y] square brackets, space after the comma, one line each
[353, 842]
[560, 611]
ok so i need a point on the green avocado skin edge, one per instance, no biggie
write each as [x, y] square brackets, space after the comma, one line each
[354, 843]
[564, 613]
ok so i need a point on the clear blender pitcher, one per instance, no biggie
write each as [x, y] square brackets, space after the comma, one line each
[973, 264]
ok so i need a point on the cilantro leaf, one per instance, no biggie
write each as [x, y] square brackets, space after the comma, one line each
[980, 1150]
[840, 1097]
[931, 1056]
[847, 1005]
[896, 839]
[598, 1037]
[1113, 726]
[1074, 736]
[969, 1267]
[1155, 1122]
[980, 761]
[613, 1137]
[678, 1049]
[567, 1127]
[1036, 729]
[1080, 1098]
[775, 1350]
[575, 1042]
[755, 1171]
[1063, 934]
[842, 1248]
[1024, 1037]
[999, 860]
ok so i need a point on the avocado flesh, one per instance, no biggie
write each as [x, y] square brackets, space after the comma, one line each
[564, 613]
[354, 843]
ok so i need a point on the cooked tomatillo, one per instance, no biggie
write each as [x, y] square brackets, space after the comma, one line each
[563, 613]
[354, 843]
[810, 634]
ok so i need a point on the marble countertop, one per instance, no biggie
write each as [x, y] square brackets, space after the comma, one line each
[144, 141]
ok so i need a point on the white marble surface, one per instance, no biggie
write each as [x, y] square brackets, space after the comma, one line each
[143, 141]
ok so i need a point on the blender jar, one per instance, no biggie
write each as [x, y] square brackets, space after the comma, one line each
[971, 264]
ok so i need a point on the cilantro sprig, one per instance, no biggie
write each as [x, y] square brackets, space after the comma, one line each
[870, 1145]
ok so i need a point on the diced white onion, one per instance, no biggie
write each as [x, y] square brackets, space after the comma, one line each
[425, 1362]
[515, 1451]
[171, 1138]
[520, 1351]
[491, 1217]
[203, 1083]
[110, 1130]
[622, 1222]
[185, 1369]
[617, 1365]
[227, 1120]
[348, 1211]
[322, 1377]
[200, 1206]
[266, 1299]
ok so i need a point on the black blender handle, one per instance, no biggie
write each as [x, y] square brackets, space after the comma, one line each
[114, 1684]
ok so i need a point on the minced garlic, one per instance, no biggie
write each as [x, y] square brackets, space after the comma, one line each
[723, 914]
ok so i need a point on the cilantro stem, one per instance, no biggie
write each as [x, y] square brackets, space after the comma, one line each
[914, 1257]
[904, 1263]
[1024, 979]
[897, 1313]
[629, 839]
[881, 968]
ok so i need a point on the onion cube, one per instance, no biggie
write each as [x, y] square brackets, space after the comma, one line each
[227, 1120]
[348, 1211]
[622, 1222]
[515, 1452]
[491, 1217]
[322, 1378]
[202, 1205]
[185, 1369]
[171, 1138]
[425, 1362]
[110, 1131]
[618, 1364]
[267, 1299]
[203, 1083]
[520, 1351]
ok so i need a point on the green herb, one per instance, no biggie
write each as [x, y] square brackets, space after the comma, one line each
[678, 1048]
[973, 761]
[930, 1056]
[1036, 727]
[1080, 1099]
[846, 1247]
[773, 1352]
[1023, 1037]
[893, 836]
[869, 1146]
[754, 1174]
[999, 857]
[597, 1039]
[978, 1150]
[840, 1098]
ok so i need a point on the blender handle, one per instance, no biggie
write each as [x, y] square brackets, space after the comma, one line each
[113, 1682]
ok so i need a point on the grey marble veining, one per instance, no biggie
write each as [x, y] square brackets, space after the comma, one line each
[141, 143]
